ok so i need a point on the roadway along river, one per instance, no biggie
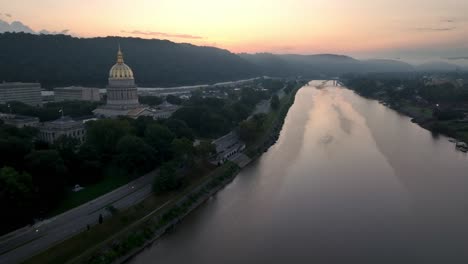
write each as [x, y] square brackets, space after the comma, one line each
[349, 181]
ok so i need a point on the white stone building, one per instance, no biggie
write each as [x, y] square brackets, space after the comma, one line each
[65, 126]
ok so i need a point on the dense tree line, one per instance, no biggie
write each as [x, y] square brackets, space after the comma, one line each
[408, 88]
[250, 130]
[150, 100]
[59, 60]
[51, 111]
[214, 117]
[34, 175]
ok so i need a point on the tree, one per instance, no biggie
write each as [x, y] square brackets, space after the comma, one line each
[183, 150]
[205, 121]
[175, 100]
[105, 134]
[205, 149]
[248, 131]
[166, 180]
[15, 143]
[159, 137]
[275, 102]
[16, 198]
[67, 147]
[251, 129]
[140, 124]
[151, 100]
[48, 174]
[12, 151]
[134, 155]
[90, 167]
[179, 128]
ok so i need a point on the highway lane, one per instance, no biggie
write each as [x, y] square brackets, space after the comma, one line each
[41, 236]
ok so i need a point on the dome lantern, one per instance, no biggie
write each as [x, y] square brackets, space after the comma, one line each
[120, 71]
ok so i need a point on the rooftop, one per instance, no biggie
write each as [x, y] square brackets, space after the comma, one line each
[74, 88]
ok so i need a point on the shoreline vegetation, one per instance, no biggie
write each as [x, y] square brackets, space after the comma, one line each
[130, 231]
[420, 100]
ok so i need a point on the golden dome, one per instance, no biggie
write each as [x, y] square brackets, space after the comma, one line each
[120, 70]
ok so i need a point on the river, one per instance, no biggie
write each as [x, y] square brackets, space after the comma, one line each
[349, 181]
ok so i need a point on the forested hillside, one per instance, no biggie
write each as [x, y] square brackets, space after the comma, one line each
[55, 60]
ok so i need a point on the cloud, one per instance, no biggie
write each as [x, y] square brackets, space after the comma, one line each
[162, 34]
[46, 32]
[18, 26]
[457, 58]
[435, 29]
[15, 26]
[8, 15]
[448, 20]
[286, 48]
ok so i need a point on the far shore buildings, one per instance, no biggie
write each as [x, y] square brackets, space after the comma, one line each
[76, 93]
[28, 93]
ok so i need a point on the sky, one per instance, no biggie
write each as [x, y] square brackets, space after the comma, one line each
[392, 29]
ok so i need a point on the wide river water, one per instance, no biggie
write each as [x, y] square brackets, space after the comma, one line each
[349, 181]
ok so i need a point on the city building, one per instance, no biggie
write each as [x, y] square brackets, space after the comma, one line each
[28, 93]
[227, 147]
[164, 110]
[19, 121]
[122, 93]
[76, 93]
[47, 96]
[65, 126]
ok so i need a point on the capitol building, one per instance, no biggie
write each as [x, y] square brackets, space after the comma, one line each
[122, 93]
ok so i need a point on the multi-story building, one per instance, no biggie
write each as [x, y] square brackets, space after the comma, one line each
[65, 126]
[76, 93]
[28, 93]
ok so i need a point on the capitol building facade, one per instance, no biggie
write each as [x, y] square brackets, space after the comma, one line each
[122, 93]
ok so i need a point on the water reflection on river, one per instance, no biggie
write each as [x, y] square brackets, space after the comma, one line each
[349, 181]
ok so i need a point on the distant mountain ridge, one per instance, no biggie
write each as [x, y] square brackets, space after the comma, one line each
[325, 64]
[60, 60]
[438, 66]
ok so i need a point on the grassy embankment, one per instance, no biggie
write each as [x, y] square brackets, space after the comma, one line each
[125, 226]
[113, 179]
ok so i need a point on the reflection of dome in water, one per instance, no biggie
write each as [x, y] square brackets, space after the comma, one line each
[120, 70]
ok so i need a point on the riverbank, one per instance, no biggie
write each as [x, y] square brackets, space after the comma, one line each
[423, 115]
[130, 231]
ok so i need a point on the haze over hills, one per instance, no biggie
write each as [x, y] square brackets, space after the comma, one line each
[323, 64]
[438, 66]
[59, 60]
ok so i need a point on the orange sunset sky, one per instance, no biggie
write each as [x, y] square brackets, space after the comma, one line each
[364, 28]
